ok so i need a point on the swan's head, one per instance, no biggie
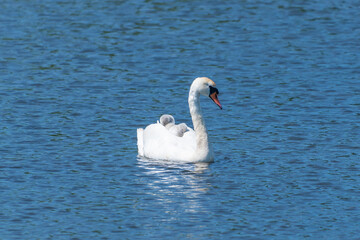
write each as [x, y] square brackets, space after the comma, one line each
[207, 87]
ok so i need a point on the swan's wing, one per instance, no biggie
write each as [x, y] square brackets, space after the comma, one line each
[159, 143]
[189, 135]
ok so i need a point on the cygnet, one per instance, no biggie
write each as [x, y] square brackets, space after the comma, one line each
[179, 129]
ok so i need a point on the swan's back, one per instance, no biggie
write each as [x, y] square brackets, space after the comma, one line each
[157, 142]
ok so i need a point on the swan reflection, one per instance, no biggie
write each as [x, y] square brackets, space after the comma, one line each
[170, 182]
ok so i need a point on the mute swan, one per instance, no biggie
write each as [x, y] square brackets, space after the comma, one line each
[156, 141]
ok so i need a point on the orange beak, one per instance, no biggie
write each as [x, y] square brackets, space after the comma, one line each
[214, 97]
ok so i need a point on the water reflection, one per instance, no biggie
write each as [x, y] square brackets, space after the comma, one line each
[171, 182]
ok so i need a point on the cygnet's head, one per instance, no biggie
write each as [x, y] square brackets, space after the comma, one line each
[167, 119]
[182, 127]
[207, 87]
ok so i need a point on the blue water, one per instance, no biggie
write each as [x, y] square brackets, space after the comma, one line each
[78, 77]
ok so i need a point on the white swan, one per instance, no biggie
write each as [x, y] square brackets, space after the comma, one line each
[157, 142]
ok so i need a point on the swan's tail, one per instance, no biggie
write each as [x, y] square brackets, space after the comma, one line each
[140, 141]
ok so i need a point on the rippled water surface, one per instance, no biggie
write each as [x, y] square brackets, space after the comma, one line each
[78, 78]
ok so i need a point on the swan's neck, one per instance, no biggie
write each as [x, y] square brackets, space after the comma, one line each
[202, 141]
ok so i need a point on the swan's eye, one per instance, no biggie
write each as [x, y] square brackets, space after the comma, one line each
[213, 90]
